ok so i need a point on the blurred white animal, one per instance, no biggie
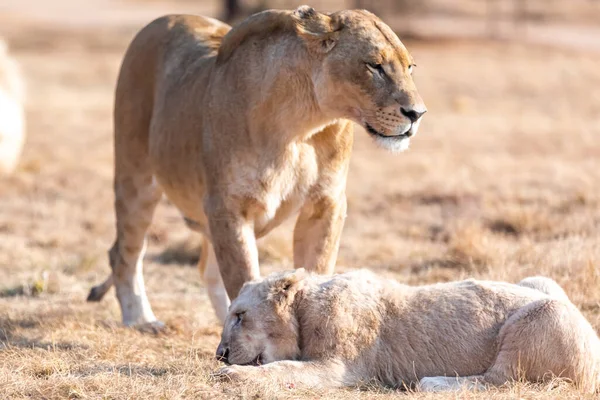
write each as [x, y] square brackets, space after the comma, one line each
[12, 115]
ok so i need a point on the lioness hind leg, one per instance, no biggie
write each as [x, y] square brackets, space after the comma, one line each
[136, 191]
[209, 271]
[136, 199]
[545, 285]
[547, 338]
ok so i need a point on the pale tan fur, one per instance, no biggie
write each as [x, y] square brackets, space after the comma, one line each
[242, 128]
[355, 327]
[12, 115]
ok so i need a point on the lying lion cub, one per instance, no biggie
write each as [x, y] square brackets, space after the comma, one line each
[355, 327]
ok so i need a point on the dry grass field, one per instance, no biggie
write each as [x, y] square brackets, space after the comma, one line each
[502, 182]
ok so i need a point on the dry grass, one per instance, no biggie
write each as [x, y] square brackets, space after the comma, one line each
[501, 183]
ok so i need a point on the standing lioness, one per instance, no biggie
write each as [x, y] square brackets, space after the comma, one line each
[242, 128]
[353, 328]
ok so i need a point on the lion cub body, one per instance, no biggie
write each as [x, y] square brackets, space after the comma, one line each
[356, 327]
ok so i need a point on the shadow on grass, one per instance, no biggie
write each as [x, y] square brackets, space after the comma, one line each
[185, 252]
[425, 265]
[10, 336]
[131, 370]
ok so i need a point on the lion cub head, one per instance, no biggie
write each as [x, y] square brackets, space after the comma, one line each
[261, 326]
[364, 73]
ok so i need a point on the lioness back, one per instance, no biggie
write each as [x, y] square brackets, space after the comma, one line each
[162, 70]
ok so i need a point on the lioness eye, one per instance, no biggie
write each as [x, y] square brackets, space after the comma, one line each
[410, 68]
[374, 67]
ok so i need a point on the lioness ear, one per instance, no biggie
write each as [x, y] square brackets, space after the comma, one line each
[319, 31]
[284, 289]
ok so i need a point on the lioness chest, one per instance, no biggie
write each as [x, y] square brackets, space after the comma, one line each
[270, 189]
[264, 187]
[265, 184]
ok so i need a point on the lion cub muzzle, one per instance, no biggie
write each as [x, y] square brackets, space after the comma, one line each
[223, 353]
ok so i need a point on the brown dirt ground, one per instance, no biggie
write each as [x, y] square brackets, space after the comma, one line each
[501, 183]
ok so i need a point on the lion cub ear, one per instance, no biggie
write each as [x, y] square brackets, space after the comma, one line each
[284, 289]
[319, 31]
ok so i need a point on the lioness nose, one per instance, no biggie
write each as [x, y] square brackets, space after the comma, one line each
[222, 353]
[413, 114]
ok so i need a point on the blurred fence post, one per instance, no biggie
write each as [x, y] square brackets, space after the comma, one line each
[232, 9]
[493, 18]
[520, 12]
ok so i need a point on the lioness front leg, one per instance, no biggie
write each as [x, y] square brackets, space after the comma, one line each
[234, 244]
[321, 374]
[209, 270]
[317, 235]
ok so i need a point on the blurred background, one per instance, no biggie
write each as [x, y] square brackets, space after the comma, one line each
[575, 23]
[501, 182]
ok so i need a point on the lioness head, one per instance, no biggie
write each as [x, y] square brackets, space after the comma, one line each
[261, 326]
[364, 74]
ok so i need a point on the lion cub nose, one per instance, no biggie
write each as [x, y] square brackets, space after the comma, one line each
[413, 114]
[222, 353]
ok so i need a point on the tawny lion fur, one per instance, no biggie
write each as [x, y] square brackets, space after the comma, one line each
[355, 328]
[12, 115]
[242, 128]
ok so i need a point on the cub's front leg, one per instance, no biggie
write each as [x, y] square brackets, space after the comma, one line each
[314, 374]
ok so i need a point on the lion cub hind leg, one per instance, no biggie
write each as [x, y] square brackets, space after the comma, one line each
[545, 339]
[451, 384]
[544, 285]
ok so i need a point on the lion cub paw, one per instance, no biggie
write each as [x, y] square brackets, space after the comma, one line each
[235, 373]
[454, 384]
